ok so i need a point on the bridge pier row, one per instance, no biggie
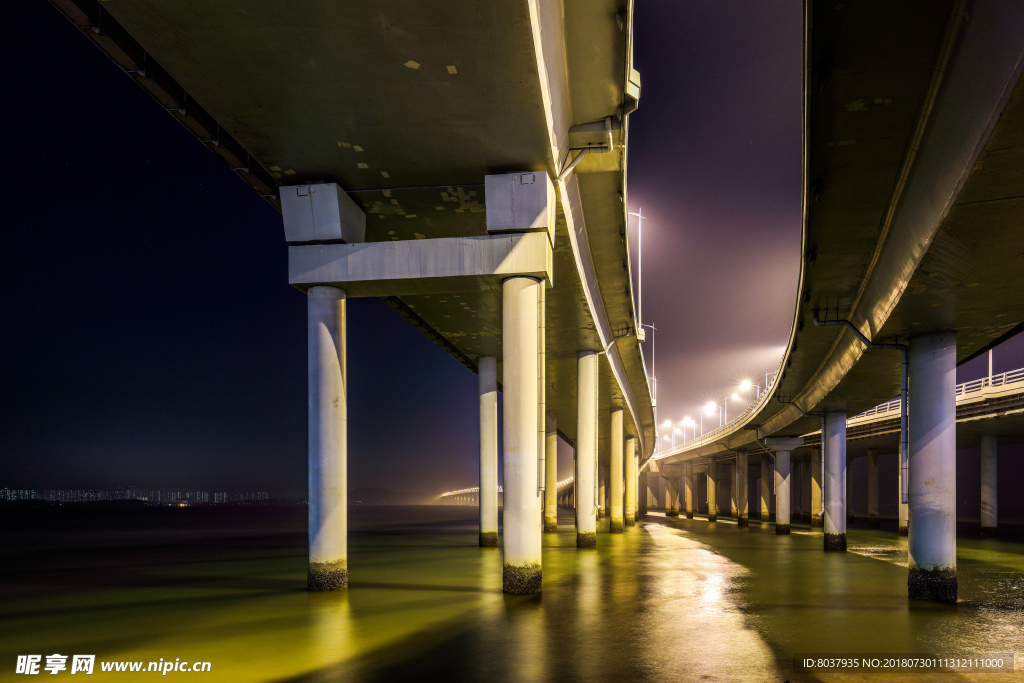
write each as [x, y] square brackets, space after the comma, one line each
[688, 498]
[872, 488]
[742, 500]
[834, 443]
[712, 482]
[550, 472]
[521, 315]
[602, 491]
[615, 471]
[817, 510]
[487, 375]
[989, 478]
[585, 485]
[783, 481]
[932, 416]
[328, 439]
[630, 481]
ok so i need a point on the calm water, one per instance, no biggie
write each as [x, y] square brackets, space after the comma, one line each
[679, 601]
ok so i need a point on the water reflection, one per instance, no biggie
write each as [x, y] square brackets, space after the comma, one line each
[667, 600]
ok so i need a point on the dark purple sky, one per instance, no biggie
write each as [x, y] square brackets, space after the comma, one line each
[151, 337]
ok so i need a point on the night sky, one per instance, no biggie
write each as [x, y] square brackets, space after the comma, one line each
[151, 338]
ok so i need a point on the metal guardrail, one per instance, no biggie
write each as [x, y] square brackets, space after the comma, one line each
[963, 389]
[707, 437]
[975, 386]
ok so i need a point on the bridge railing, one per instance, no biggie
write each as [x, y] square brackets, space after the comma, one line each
[709, 436]
[963, 389]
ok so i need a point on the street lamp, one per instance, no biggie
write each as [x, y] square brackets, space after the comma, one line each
[689, 421]
[746, 385]
[709, 410]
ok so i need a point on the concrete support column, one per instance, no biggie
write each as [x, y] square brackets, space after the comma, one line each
[521, 315]
[631, 481]
[689, 490]
[586, 449]
[989, 502]
[932, 417]
[742, 497]
[712, 489]
[904, 508]
[732, 490]
[328, 439]
[872, 488]
[799, 475]
[487, 374]
[616, 471]
[817, 510]
[671, 494]
[602, 491]
[550, 472]
[641, 507]
[767, 477]
[783, 480]
[834, 440]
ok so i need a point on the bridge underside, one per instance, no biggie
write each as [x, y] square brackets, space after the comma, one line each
[408, 107]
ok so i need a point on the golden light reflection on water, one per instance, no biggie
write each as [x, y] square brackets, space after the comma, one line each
[664, 601]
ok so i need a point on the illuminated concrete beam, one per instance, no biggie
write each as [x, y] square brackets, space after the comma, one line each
[932, 416]
[433, 266]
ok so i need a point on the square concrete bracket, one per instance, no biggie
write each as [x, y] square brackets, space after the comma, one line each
[784, 443]
[520, 202]
[408, 267]
[322, 212]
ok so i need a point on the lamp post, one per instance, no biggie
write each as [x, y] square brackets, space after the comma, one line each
[709, 410]
[689, 421]
[639, 264]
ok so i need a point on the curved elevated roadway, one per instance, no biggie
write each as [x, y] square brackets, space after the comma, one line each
[913, 145]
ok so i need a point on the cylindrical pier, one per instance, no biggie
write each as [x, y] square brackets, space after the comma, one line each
[989, 500]
[617, 520]
[834, 442]
[742, 499]
[487, 374]
[521, 312]
[872, 488]
[932, 416]
[712, 480]
[586, 448]
[328, 440]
